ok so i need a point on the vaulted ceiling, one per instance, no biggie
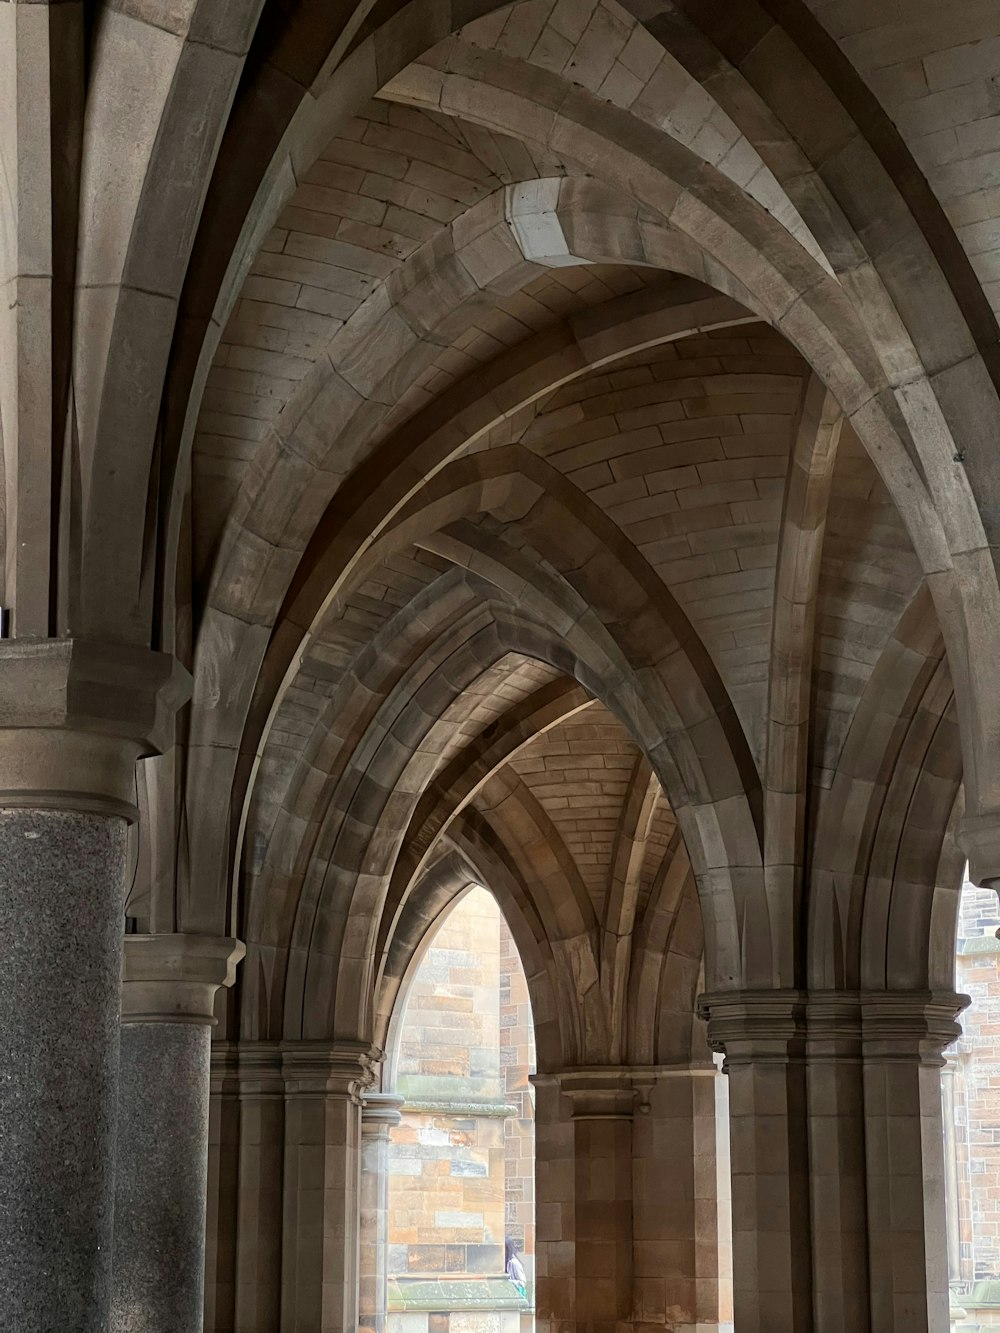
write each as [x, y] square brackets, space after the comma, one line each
[560, 441]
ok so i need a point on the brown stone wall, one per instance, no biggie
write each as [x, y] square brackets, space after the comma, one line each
[461, 1162]
[450, 1033]
[974, 1134]
[517, 1063]
[446, 1194]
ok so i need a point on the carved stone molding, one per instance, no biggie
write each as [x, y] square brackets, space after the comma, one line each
[319, 1069]
[76, 715]
[174, 978]
[786, 1026]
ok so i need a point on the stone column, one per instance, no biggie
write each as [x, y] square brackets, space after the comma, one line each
[952, 1195]
[223, 1188]
[76, 717]
[837, 1158]
[585, 1200]
[763, 1035]
[168, 994]
[261, 1170]
[555, 1215]
[836, 1129]
[905, 1036]
[380, 1112]
[324, 1083]
[676, 1201]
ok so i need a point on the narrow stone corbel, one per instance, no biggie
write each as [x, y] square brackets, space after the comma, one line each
[755, 1026]
[380, 1112]
[330, 1068]
[910, 1026]
[599, 1092]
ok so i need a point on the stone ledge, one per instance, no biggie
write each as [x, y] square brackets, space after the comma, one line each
[457, 1293]
[981, 1295]
[460, 1110]
[978, 944]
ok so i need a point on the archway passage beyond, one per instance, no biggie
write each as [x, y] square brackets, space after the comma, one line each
[461, 1164]
[551, 446]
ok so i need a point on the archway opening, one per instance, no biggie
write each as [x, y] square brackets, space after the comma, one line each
[461, 1162]
[971, 1096]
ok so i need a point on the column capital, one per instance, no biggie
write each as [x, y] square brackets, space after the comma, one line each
[979, 838]
[783, 1026]
[381, 1111]
[910, 1026]
[258, 1069]
[224, 1068]
[174, 978]
[75, 715]
[600, 1092]
[329, 1068]
[756, 1026]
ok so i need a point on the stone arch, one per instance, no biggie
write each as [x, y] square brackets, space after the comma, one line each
[622, 903]
[899, 722]
[456, 785]
[436, 893]
[942, 580]
[910, 910]
[570, 617]
[507, 631]
[290, 639]
[906, 393]
[667, 969]
[491, 565]
[235, 635]
[846, 168]
[442, 885]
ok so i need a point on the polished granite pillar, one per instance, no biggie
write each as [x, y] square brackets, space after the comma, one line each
[61, 895]
[168, 991]
[75, 717]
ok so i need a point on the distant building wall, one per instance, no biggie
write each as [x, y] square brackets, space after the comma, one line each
[972, 1118]
[461, 1163]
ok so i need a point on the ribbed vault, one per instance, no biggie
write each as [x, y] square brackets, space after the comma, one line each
[539, 376]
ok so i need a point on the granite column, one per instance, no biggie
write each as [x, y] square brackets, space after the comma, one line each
[168, 993]
[76, 718]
